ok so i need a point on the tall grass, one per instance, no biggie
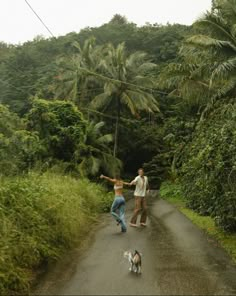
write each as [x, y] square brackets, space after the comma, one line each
[40, 217]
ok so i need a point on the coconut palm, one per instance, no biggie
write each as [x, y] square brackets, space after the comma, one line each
[73, 80]
[94, 153]
[126, 84]
[219, 40]
[186, 81]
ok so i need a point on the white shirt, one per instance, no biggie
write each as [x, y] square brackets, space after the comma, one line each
[141, 186]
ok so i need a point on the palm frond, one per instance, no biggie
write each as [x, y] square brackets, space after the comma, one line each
[227, 87]
[217, 26]
[146, 67]
[206, 41]
[105, 139]
[125, 99]
[89, 166]
[143, 101]
[143, 81]
[101, 101]
[98, 125]
[111, 164]
[111, 88]
[136, 59]
[223, 70]
[227, 10]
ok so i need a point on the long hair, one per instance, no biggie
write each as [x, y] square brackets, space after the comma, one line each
[117, 177]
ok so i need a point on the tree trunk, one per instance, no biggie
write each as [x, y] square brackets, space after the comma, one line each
[117, 128]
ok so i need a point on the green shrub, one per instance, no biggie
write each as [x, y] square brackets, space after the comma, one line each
[171, 190]
[208, 173]
[60, 126]
[41, 216]
[19, 149]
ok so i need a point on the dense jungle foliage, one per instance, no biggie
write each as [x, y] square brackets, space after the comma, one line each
[41, 217]
[121, 96]
[111, 99]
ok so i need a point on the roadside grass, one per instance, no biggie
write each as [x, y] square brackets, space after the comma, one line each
[41, 217]
[171, 192]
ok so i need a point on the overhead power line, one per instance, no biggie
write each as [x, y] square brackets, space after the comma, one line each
[86, 70]
[106, 115]
[81, 108]
[93, 73]
[120, 81]
[50, 32]
[11, 85]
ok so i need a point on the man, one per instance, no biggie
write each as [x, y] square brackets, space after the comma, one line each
[141, 188]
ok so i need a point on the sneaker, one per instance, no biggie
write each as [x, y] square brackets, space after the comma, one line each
[118, 222]
[133, 225]
[143, 224]
[123, 230]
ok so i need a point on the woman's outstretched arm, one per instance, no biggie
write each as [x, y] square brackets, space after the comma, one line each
[126, 183]
[108, 179]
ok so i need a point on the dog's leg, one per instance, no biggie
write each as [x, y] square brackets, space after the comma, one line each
[139, 269]
[131, 267]
[131, 263]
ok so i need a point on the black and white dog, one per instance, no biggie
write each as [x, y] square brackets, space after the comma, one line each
[135, 261]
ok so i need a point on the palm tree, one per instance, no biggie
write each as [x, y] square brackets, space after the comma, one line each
[186, 81]
[219, 41]
[126, 84]
[208, 68]
[73, 81]
[94, 153]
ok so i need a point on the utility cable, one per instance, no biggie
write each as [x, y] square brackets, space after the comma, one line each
[50, 32]
[120, 81]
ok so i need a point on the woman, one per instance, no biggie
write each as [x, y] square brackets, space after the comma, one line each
[119, 201]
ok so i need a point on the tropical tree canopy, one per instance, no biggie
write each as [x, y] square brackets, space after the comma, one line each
[121, 96]
[127, 85]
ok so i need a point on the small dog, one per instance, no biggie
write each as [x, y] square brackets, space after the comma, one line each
[135, 261]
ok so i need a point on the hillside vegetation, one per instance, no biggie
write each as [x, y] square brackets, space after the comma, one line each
[110, 100]
[42, 216]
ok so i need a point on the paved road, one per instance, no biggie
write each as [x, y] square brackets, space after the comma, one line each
[178, 259]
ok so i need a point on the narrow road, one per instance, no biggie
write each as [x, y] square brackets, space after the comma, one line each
[178, 259]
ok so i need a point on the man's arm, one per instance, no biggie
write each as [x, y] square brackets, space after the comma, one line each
[134, 182]
[147, 186]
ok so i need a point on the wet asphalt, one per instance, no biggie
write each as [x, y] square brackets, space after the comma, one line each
[177, 259]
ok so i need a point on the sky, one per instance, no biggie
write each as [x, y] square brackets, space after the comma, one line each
[18, 23]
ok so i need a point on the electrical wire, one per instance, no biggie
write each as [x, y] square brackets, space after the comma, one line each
[81, 108]
[11, 85]
[94, 73]
[50, 32]
[84, 69]
[120, 81]
[106, 115]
